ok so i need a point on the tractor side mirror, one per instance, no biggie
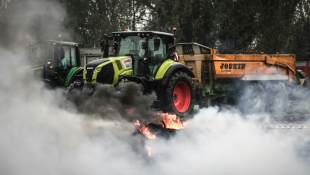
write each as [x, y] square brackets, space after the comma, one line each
[144, 45]
[156, 44]
[61, 52]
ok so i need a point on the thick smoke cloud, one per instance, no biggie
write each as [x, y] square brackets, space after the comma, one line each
[40, 133]
[39, 19]
[127, 103]
[38, 136]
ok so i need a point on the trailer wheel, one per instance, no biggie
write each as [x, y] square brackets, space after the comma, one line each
[278, 98]
[253, 99]
[179, 96]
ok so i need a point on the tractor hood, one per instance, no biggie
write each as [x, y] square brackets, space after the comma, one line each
[106, 70]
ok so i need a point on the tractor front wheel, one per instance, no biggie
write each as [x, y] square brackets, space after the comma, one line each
[179, 95]
[75, 87]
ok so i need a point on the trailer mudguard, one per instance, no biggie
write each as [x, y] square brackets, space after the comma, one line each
[177, 67]
[72, 73]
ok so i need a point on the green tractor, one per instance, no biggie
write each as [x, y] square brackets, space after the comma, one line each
[55, 63]
[143, 57]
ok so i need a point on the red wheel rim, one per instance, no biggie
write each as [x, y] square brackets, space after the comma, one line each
[181, 97]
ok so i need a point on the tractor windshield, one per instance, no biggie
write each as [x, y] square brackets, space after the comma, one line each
[132, 46]
[41, 53]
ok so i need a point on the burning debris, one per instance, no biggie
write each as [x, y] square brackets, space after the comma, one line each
[171, 121]
[167, 125]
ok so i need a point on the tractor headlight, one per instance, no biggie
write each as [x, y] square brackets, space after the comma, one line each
[85, 71]
[98, 69]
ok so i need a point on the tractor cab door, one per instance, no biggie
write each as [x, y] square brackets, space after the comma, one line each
[157, 55]
[70, 59]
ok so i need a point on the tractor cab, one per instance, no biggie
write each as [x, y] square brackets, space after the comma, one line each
[51, 61]
[148, 50]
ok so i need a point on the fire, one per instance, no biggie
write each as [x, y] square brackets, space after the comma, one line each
[171, 121]
[137, 123]
[145, 130]
[147, 133]
[149, 150]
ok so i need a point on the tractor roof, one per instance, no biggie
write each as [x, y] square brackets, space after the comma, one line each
[191, 43]
[63, 42]
[143, 33]
[54, 42]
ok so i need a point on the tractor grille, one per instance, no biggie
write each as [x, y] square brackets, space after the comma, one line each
[118, 63]
[91, 66]
[106, 75]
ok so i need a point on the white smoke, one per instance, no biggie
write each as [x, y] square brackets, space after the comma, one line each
[40, 136]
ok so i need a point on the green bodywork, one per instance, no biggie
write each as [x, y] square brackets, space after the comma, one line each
[118, 72]
[159, 75]
[70, 75]
[163, 69]
[38, 71]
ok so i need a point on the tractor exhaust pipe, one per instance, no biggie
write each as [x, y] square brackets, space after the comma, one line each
[174, 30]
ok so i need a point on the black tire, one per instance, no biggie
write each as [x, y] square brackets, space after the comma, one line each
[277, 98]
[253, 99]
[172, 103]
[75, 87]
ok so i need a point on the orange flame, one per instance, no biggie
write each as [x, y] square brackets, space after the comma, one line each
[171, 121]
[147, 133]
[149, 150]
[137, 123]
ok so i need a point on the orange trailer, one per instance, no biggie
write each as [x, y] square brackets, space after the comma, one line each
[220, 75]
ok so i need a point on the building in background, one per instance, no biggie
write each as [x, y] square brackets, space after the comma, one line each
[304, 65]
[89, 54]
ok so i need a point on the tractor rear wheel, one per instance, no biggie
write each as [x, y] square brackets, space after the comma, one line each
[278, 98]
[179, 95]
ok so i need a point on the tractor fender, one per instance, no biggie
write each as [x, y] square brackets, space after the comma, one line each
[177, 67]
[72, 74]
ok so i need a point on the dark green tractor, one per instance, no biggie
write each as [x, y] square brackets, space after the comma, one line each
[56, 63]
[143, 57]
